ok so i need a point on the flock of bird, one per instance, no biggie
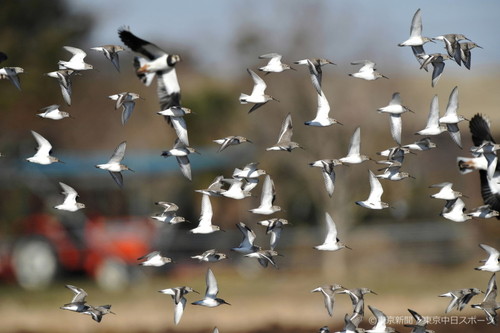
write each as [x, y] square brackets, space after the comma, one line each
[155, 62]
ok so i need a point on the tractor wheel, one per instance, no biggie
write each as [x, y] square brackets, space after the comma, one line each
[35, 262]
[114, 274]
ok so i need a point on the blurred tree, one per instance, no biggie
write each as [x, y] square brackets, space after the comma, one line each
[32, 34]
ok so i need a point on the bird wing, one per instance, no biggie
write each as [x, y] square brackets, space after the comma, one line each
[452, 107]
[396, 127]
[80, 294]
[168, 89]
[259, 84]
[493, 253]
[179, 310]
[433, 118]
[180, 128]
[437, 71]
[329, 180]
[149, 256]
[206, 211]
[13, 77]
[491, 291]
[274, 58]
[65, 86]
[248, 234]
[78, 54]
[119, 153]
[368, 66]
[315, 76]
[323, 106]
[70, 193]
[117, 177]
[268, 193]
[480, 130]
[149, 50]
[454, 131]
[184, 165]
[286, 131]
[355, 143]
[395, 99]
[376, 189]
[416, 24]
[419, 53]
[44, 146]
[381, 319]
[331, 229]
[128, 107]
[212, 288]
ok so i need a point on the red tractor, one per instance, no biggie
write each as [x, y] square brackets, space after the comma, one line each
[104, 248]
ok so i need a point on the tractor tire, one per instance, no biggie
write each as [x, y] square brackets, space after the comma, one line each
[113, 274]
[35, 262]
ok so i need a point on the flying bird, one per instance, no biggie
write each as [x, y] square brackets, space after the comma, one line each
[42, 155]
[231, 140]
[460, 298]
[125, 100]
[69, 204]
[114, 165]
[433, 127]
[492, 263]
[315, 70]
[489, 304]
[374, 198]
[211, 300]
[53, 112]
[322, 118]
[257, 97]
[181, 152]
[63, 77]
[274, 65]
[285, 137]
[367, 71]
[205, 225]
[416, 38]
[76, 62]
[247, 244]
[154, 259]
[267, 198]
[328, 292]
[328, 171]
[177, 294]
[155, 62]
[111, 53]
[331, 243]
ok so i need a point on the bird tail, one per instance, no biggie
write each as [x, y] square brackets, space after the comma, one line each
[243, 98]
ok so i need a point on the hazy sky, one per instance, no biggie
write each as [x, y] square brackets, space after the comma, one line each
[340, 30]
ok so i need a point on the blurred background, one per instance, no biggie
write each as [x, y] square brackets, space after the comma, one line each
[407, 254]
